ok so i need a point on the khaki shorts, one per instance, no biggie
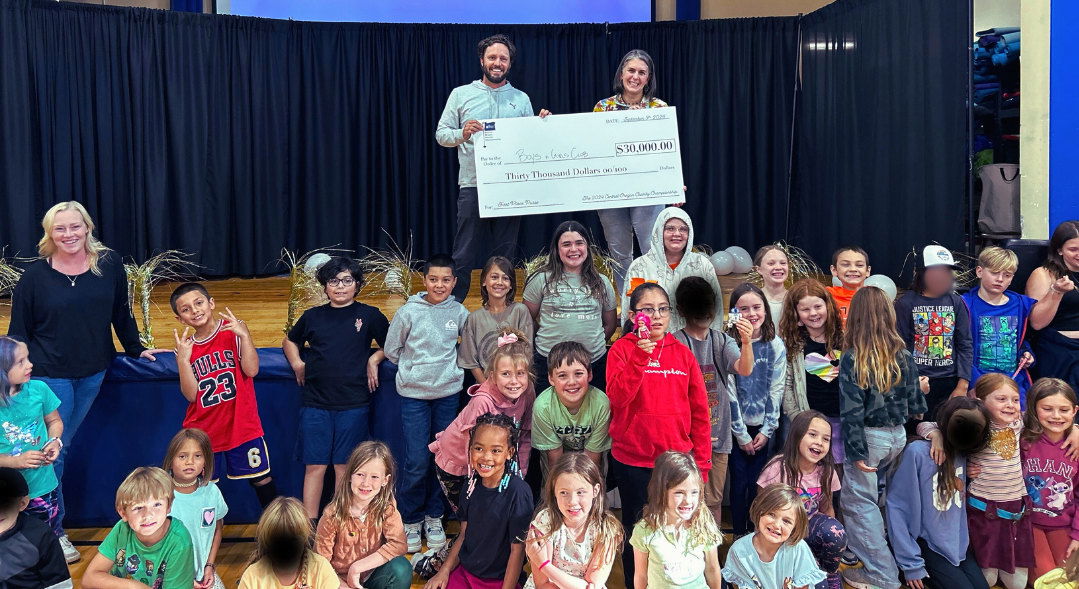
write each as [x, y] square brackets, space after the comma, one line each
[713, 489]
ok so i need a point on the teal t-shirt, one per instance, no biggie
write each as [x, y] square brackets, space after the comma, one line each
[165, 564]
[23, 420]
[553, 426]
[200, 511]
[569, 312]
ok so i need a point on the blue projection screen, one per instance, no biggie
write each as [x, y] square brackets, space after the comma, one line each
[444, 11]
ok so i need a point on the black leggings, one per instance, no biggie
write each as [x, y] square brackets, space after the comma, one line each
[945, 575]
[633, 490]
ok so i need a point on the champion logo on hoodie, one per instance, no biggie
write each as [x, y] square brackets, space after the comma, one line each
[451, 324]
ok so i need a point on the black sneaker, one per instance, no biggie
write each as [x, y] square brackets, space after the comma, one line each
[849, 558]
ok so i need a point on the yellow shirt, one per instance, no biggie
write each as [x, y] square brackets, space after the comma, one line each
[1055, 579]
[320, 575]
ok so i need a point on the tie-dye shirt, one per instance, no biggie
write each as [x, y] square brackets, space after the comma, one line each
[760, 395]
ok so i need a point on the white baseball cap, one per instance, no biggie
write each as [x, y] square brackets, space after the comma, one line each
[936, 255]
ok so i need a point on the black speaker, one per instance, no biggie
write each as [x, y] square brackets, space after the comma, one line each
[1032, 253]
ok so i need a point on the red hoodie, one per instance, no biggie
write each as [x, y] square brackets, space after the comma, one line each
[658, 403]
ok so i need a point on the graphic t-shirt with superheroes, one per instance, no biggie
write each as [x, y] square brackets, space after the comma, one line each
[1051, 479]
[168, 563]
[937, 333]
[23, 420]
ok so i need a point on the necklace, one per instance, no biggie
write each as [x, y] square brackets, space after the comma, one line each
[69, 277]
[1003, 442]
[185, 485]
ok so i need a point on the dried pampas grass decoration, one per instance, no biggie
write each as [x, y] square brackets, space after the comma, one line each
[965, 276]
[9, 277]
[395, 264]
[304, 290]
[169, 265]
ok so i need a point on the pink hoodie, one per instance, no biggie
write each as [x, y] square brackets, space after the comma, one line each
[1051, 482]
[451, 446]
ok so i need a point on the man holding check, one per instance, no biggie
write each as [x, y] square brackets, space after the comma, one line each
[491, 97]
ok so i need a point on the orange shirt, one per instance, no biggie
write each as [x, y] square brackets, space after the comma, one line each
[344, 544]
[842, 296]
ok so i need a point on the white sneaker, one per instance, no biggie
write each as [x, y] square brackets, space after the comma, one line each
[71, 554]
[413, 537]
[436, 535]
[855, 578]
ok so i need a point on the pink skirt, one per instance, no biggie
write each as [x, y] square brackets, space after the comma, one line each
[462, 579]
[998, 543]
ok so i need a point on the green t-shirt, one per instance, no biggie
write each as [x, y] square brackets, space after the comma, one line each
[553, 426]
[166, 564]
[23, 420]
[569, 312]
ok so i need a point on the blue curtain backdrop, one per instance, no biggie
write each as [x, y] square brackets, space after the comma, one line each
[231, 137]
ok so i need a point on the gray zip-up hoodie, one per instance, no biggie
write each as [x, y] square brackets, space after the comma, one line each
[476, 101]
[422, 341]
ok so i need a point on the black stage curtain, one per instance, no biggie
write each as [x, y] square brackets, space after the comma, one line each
[881, 142]
[232, 137]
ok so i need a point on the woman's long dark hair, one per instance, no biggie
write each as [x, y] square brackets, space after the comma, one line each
[1064, 232]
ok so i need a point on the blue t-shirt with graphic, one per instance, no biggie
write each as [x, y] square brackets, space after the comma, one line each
[998, 333]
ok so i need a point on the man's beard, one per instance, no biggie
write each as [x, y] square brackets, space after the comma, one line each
[495, 79]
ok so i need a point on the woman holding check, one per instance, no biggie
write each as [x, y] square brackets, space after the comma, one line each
[634, 85]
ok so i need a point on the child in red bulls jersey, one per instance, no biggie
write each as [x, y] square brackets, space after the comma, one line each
[217, 365]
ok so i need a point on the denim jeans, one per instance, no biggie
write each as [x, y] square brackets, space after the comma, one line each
[862, 503]
[478, 239]
[76, 396]
[418, 491]
[619, 225]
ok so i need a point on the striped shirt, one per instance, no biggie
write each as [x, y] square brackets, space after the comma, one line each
[1001, 476]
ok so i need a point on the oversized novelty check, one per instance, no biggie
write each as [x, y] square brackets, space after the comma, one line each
[600, 160]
